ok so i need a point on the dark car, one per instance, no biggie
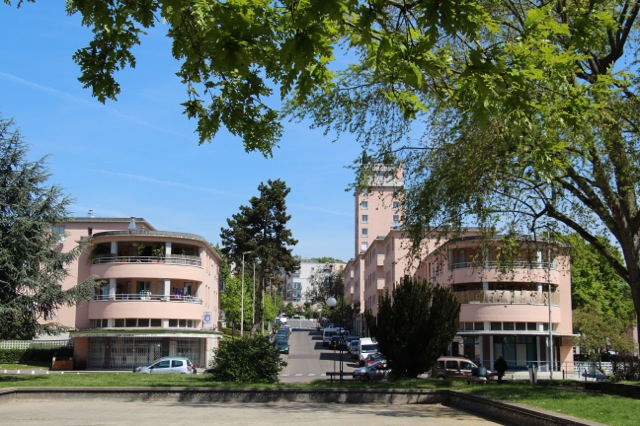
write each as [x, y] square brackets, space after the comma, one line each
[282, 346]
[337, 342]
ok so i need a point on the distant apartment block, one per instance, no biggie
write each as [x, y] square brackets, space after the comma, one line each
[297, 284]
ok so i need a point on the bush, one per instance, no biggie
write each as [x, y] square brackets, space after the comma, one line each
[33, 354]
[247, 360]
[626, 368]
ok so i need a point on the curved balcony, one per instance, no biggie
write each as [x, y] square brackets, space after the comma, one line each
[169, 267]
[523, 272]
[174, 259]
[507, 297]
[147, 295]
[512, 313]
[146, 306]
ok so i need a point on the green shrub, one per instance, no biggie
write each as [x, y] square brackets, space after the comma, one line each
[34, 354]
[247, 360]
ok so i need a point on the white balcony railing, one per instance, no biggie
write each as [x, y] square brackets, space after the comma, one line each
[515, 264]
[511, 297]
[174, 259]
[146, 296]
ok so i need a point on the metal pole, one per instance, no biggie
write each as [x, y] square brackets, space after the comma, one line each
[253, 316]
[342, 340]
[242, 301]
[550, 323]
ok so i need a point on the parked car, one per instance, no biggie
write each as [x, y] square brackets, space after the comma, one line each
[366, 346]
[168, 365]
[282, 346]
[328, 333]
[452, 367]
[375, 357]
[376, 371]
[337, 342]
[352, 347]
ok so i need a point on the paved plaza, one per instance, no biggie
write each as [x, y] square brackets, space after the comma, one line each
[142, 413]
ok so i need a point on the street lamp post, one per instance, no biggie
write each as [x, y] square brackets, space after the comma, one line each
[242, 297]
[332, 302]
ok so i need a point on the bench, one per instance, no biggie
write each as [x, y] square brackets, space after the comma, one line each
[332, 374]
[594, 375]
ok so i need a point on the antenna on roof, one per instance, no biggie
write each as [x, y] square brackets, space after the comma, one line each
[90, 212]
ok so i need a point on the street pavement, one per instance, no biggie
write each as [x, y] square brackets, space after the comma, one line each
[176, 413]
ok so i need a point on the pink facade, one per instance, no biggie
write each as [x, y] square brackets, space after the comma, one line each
[158, 294]
[506, 307]
[504, 311]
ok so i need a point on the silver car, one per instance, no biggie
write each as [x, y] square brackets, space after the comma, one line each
[169, 365]
[376, 371]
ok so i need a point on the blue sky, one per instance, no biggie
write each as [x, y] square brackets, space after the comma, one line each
[139, 156]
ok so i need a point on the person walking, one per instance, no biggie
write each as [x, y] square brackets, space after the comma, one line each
[501, 367]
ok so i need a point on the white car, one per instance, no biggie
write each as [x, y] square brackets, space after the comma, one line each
[169, 365]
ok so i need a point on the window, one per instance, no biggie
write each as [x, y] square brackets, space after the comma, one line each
[364, 218]
[396, 219]
[364, 232]
[364, 205]
[364, 246]
[59, 232]
[396, 205]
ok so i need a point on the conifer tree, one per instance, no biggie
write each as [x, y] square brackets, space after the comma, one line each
[31, 266]
[259, 232]
[414, 325]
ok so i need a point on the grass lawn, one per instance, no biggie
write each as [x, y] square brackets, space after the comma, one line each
[564, 397]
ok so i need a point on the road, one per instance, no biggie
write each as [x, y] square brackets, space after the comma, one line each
[308, 360]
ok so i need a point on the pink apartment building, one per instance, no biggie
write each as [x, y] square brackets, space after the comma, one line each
[159, 294]
[503, 312]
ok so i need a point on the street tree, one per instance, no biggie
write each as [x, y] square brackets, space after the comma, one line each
[231, 298]
[508, 113]
[31, 265]
[258, 235]
[601, 332]
[595, 287]
[414, 325]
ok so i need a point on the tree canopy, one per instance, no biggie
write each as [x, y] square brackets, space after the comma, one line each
[508, 113]
[414, 325]
[31, 265]
[595, 287]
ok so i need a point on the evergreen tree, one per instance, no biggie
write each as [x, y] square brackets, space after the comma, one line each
[258, 233]
[31, 265]
[414, 325]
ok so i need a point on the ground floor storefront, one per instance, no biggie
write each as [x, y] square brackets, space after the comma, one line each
[519, 350]
[125, 352]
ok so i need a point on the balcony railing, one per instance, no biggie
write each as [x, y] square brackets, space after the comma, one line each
[174, 259]
[507, 297]
[146, 295]
[515, 264]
